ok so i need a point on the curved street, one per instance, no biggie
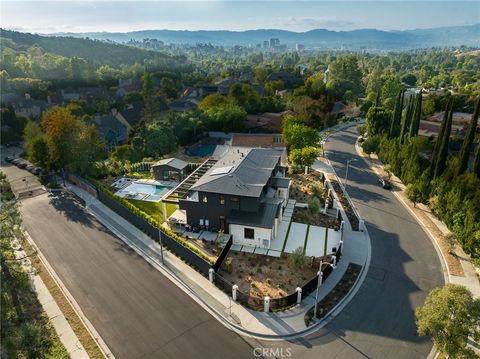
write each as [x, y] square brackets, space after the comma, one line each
[140, 314]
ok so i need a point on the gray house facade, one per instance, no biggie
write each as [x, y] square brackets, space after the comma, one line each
[244, 193]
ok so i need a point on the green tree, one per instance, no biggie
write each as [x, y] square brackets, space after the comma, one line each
[468, 141]
[31, 132]
[476, 163]
[416, 117]
[450, 315]
[378, 121]
[440, 136]
[273, 86]
[296, 135]
[12, 125]
[39, 152]
[407, 119]
[390, 88]
[345, 74]
[303, 157]
[212, 101]
[441, 160]
[314, 205]
[148, 93]
[397, 116]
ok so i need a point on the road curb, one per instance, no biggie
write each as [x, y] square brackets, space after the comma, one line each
[71, 300]
[443, 261]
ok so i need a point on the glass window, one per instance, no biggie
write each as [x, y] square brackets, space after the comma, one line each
[205, 199]
[222, 200]
[249, 233]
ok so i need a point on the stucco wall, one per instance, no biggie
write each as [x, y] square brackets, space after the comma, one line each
[237, 232]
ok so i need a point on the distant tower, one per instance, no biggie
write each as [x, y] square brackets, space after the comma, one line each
[274, 42]
[266, 44]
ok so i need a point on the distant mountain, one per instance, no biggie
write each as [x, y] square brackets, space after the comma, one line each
[320, 38]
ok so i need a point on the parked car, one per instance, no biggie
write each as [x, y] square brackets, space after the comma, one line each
[9, 158]
[22, 164]
[385, 183]
[16, 161]
[37, 171]
[30, 168]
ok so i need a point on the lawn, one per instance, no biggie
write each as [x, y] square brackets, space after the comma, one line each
[153, 209]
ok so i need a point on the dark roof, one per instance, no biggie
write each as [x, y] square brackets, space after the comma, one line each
[10, 98]
[257, 139]
[111, 128]
[264, 218]
[172, 162]
[241, 171]
[181, 105]
[133, 113]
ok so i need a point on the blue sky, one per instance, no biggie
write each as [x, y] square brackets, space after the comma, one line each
[123, 16]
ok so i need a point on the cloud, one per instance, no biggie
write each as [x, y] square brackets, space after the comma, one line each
[309, 23]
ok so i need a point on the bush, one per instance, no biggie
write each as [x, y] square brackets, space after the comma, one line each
[371, 144]
[314, 205]
[228, 266]
[298, 259]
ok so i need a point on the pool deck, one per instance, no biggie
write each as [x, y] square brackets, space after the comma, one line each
[122, 186]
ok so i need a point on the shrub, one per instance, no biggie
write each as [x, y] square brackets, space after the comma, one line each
[298, 259]
[229, 265]
[314, 205]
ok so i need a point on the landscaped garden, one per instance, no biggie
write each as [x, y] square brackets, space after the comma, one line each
[352, 217]
[306, 186]
[259, 275]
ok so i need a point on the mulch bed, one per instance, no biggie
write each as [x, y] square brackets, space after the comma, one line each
[335, 296]
[352, 217]
[303, 215]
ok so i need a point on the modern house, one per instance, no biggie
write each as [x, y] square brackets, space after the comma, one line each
[112, 130]
[169, 169]
[244, 192]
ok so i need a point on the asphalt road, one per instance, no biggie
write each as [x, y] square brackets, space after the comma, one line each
[137, 311]
[140, 314]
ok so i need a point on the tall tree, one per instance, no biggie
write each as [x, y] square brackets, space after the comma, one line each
[377, 99]
[436, 148]
[406, 120]
[476, 164]
[148, 93]
[416, 117]
[397, 115]
[378, 121]
[443, 149]
[468, 141]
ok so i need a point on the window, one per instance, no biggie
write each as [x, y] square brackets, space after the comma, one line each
[234, 199]
[222, 200]
[205, 199]
[249, 233]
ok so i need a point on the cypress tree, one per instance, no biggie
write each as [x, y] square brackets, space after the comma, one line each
[436, 147]
[406, 120]
[397, 116]
[377, 99]
[476, 164]
[416, 116]
[443, 148]
[468, 141]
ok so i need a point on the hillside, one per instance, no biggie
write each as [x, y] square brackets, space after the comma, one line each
[99, 52]
[321, 38]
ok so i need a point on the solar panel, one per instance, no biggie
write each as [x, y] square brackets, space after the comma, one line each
[221, 170]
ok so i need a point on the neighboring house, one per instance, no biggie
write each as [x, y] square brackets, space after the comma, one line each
[130, 116]
[25, 106]
[270, 121]
[126, 86]
[259, 89]
[183, 105]
[69, 94]
[92, 94]
[169, 169]
[243, 193]
[458, 117]
[266, 140]
[432, 129]
[339, 109]
[290, 81]
[224, 85]
[113, 131]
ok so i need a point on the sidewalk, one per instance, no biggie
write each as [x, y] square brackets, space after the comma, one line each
[289, 323]
[458, 268]
[62, 327]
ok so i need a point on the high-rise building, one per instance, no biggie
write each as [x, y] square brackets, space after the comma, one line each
[274, 42]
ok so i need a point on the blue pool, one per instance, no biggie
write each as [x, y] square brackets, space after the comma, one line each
[143, 191]
[205, 149]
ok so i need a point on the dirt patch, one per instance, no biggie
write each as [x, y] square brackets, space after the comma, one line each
[304, 215]
[259, 276]
[212, 249]
[304, 186]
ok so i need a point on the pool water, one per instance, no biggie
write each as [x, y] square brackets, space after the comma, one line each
[143, 191]
[202, 150]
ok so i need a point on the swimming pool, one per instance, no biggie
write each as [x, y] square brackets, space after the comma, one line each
[202, 150]
[143, 191]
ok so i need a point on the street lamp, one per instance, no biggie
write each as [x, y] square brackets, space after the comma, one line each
[319, 283]
[346, 173]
